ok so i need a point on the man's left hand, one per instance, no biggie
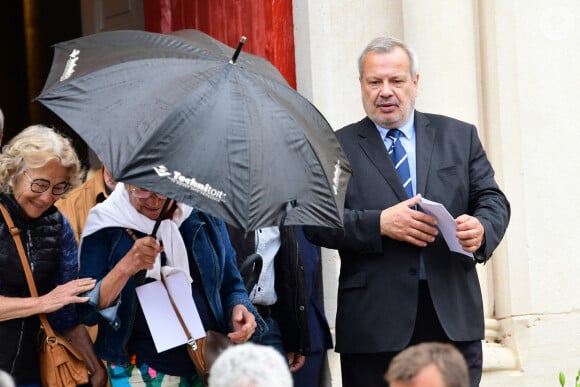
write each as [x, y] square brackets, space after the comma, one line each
[469, 232]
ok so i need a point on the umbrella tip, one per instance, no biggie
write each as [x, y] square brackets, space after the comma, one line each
[238, 50]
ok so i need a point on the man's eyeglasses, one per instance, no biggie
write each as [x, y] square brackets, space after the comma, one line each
[144, 194]
[42, 185]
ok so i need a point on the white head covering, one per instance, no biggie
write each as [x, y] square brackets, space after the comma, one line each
[117, 211]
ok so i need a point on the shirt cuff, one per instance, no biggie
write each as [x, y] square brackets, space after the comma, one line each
[108, 313]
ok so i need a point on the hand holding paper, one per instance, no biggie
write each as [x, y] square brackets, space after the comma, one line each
[446, 224]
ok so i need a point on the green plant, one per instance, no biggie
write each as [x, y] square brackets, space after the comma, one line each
[563, 379]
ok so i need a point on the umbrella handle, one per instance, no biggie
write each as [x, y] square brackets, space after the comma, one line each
[140, 276]
[160, 218]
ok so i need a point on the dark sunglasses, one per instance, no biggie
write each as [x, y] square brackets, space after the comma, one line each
[42, 185]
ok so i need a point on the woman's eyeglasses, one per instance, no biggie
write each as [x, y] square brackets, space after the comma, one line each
[42, 185]
[144, 194]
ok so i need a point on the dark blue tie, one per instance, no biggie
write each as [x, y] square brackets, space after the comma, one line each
[400, 160]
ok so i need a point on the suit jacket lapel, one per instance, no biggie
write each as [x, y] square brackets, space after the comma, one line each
[373, 146]
[424, 147]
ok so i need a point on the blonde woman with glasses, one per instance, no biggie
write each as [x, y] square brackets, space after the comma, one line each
[37, 167]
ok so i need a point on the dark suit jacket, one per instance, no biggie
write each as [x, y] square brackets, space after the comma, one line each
[378, 284]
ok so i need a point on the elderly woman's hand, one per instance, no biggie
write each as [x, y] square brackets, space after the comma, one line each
[142, 255]
[244, 324]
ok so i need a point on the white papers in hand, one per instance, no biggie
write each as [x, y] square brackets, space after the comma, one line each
[163, 323]
[446, 224]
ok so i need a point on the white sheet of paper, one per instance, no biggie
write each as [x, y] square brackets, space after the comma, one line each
[161, 318]
[446, 224]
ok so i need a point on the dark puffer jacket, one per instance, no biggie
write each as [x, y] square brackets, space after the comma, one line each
[42, 239]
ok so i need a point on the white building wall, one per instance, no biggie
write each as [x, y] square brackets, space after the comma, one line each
[508, 66]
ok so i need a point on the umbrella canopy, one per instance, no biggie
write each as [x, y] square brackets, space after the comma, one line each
[177, 115]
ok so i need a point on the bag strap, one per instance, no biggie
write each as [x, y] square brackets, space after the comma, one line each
[15, 232]
[179, 317]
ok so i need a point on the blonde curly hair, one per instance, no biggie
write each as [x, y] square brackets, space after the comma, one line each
[34, 147]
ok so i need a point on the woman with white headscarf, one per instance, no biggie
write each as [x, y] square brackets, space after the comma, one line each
[116, 248]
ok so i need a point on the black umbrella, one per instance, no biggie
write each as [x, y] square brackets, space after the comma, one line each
[183, 115]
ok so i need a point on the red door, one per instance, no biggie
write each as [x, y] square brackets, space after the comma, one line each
[267, 24]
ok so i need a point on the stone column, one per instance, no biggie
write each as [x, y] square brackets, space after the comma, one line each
[451, 83]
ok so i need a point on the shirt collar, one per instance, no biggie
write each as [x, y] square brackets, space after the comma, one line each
[408, 128]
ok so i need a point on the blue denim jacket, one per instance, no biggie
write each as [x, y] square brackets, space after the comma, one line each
[205, 236]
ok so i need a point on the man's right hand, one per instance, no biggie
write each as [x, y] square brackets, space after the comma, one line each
[403, 223]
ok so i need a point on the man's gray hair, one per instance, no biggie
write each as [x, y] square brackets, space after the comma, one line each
[388, 44]
[449, 361]
[250, 365]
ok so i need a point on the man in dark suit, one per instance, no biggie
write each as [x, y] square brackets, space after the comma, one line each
[399, 282]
